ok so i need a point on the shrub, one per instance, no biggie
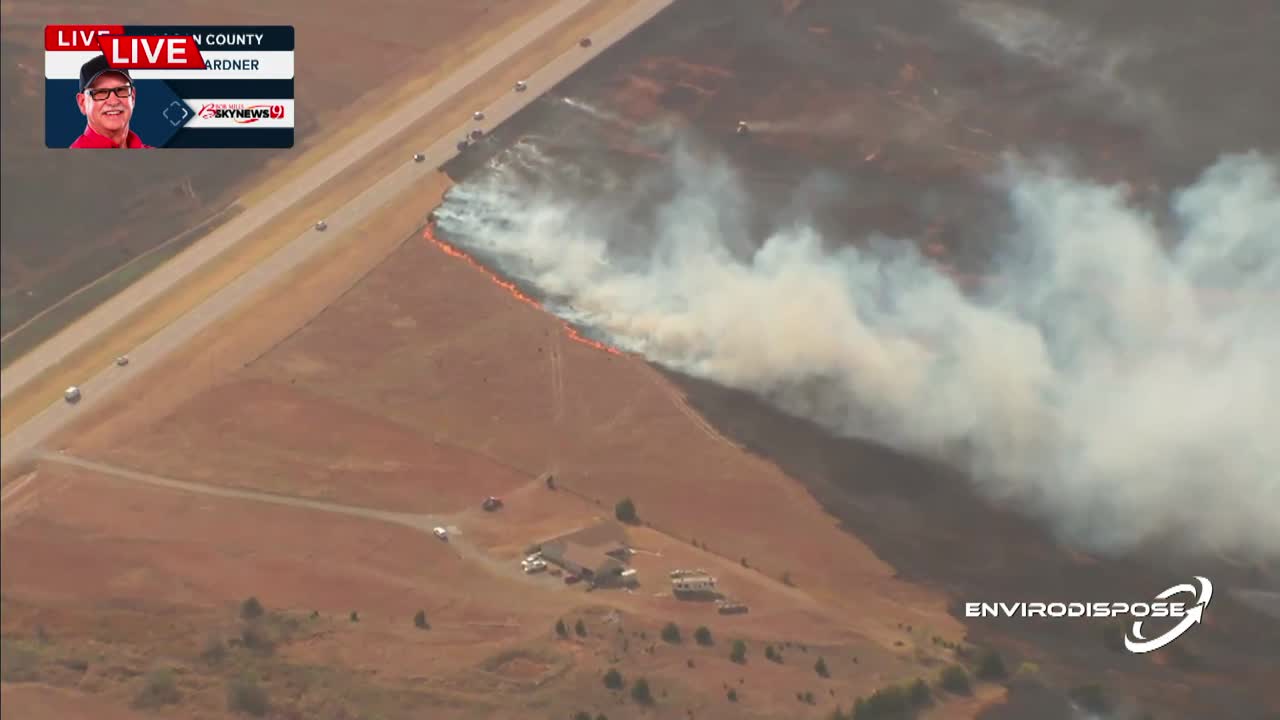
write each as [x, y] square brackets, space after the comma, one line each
[955, 680]
[991, 666]
[251, 609]
[420, 620]
[888, 702]
[919, 693]
[580, 628]
[77, 664]
[807, 697]
[159, 688]
[702, 635]
[786, 579]
[613, 679]
[625, 511]
[355, 616]
[739, 652]
[245, 695]
[671, 633]
[561, 630]
[772, 654]
[732, 695]
[582, 715]
[602, 716]
[820, 667]
[640, 692]
[214, 650]
[256, 638]
[1092, 698]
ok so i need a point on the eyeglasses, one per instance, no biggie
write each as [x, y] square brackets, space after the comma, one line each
[122, 91]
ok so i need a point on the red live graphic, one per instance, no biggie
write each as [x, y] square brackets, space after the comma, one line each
[77, 37]
[151, 52]
[129, 52]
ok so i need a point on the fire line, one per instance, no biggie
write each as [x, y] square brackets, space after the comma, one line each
[514, 291]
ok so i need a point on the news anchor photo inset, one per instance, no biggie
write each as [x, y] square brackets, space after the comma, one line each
[169, 86]
[106, 100]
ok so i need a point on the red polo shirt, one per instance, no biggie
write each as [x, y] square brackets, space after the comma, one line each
[91, 139]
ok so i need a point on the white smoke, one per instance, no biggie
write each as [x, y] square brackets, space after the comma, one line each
[1122, 379]
[1097, 63]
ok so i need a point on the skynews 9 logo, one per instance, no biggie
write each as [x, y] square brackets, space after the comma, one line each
[241, 113]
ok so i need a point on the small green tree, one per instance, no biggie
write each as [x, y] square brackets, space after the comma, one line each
[739, 652]
[919, 693]
[251, 609]
[625, 511]
[771, 653]
[786, 579]
[820, 667]
[640, 692]
[215, 650]
[561, 630]
[420, 620]
[955, 680]
[256, 638]
[671, 633]
[702, 635]
[613, 679]
[602, 716]
[580, 628]
[888, 702]
[991, 666]
[732, 695]
[355, 616]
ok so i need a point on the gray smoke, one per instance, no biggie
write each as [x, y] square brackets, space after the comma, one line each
[1122, 379]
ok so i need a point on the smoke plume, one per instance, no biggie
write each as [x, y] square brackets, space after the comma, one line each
[1121, 379]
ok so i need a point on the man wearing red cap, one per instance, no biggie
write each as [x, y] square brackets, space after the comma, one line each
[106, 100]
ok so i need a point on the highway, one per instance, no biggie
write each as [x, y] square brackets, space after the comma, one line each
[22, 440]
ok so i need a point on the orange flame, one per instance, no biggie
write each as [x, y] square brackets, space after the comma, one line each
[514, 291]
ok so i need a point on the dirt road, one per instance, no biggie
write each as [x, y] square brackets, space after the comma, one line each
[417, 521]
[20, 441]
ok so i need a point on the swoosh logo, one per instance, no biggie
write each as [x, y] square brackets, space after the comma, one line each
[1139, 644]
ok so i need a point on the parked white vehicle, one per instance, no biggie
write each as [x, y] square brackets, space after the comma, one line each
[440, 533]
[533, 566]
